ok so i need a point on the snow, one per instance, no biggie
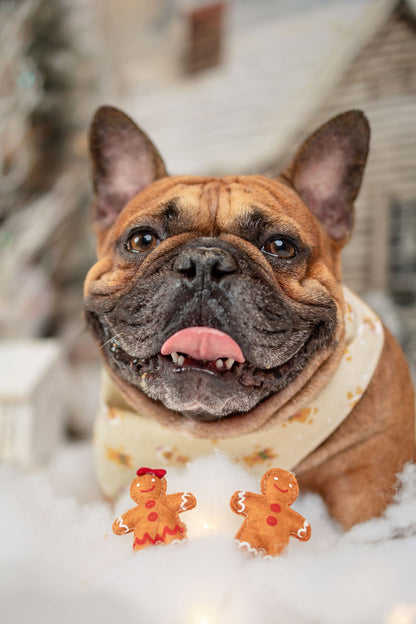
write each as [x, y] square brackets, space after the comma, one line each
[60, 561]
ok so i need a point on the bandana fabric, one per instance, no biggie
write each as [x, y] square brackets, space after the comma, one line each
[124, 439]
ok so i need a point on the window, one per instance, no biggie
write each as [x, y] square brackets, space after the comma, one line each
[402, 261]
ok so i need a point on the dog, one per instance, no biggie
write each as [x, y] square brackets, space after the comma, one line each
[219, 310]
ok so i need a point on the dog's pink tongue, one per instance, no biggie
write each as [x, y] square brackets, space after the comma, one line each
[203, 343]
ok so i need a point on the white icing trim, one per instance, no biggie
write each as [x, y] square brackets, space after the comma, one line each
[121, 525]
[302, 532]
[248, 546]
[241, 499]
[184, 498]
[255, 551]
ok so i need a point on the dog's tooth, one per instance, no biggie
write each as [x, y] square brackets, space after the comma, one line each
[174, 357]
[180, 360]
[229, 362]
[219, 364]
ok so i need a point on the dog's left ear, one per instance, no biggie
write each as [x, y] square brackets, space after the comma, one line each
[327, 171]
[124, 161]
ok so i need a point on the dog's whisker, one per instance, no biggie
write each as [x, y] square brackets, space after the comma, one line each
[109, 340]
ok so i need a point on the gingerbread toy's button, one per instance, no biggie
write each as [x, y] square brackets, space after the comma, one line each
[271, 520]
[150, 504]
[276, 508]
[152, 516]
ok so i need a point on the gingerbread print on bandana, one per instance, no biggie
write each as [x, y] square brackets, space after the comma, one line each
[269, 520]
[155, 519]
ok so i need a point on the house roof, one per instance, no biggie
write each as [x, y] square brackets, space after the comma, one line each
[275, 74]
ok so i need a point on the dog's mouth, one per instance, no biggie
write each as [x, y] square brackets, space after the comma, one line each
[186, 371]
[203, 348]
[220, 366]
[202, 372]
[180, 362]
[211, 351]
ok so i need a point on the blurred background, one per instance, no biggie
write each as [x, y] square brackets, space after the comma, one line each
[221, 87]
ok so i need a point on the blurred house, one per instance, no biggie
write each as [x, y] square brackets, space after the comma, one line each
[381, 80]
[380, 259]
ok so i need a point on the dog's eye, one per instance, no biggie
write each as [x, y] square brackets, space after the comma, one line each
[280, 247]
[142, 241]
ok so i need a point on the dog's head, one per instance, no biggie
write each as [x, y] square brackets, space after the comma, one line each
[212, 294]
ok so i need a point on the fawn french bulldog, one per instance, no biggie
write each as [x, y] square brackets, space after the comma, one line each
[223, 322]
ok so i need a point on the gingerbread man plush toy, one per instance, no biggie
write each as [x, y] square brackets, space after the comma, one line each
[269, 520]
[155, 519]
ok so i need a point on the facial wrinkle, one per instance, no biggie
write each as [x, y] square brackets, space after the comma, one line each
[213, 196]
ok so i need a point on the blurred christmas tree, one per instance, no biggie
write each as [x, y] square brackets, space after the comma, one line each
[49, 47]
[43, 185]
[37, 65]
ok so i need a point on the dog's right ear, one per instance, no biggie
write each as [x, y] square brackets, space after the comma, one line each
[124, 161]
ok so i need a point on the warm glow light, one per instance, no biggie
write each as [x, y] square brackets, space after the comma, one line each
[403, 614]
[203, 615]
[206, 521]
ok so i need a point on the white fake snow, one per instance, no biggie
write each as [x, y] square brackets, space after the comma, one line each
[60, 561]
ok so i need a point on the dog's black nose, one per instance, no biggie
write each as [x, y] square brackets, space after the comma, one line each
[210, 263]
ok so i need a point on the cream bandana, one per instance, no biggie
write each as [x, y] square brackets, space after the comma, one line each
[124, 440]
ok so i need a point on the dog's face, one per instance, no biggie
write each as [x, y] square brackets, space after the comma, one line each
[212, 294]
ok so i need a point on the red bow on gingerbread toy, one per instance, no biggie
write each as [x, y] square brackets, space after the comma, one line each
[158, 472]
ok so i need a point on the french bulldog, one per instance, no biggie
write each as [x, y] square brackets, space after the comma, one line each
[219, 308]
